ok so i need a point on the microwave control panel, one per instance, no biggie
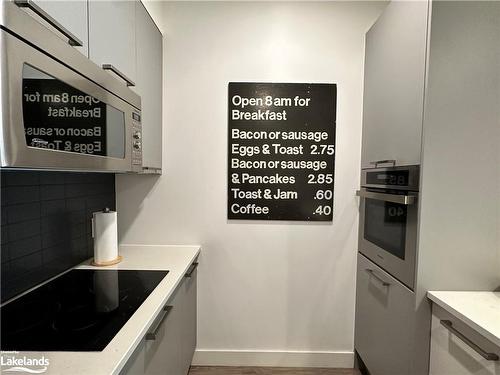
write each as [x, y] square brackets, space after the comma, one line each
[136, 142]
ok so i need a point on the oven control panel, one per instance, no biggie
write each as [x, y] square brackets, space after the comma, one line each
[136, 142]
[398, 178]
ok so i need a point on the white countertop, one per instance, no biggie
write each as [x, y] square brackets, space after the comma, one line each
[175, 259]
[479, 310]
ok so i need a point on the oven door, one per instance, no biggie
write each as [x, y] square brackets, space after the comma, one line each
[388, 231]
[55, 118]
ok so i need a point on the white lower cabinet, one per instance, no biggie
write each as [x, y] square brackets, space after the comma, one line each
[169, 345]
[457, 349]
[384, 333]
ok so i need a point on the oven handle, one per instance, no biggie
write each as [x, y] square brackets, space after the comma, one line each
[394, 198]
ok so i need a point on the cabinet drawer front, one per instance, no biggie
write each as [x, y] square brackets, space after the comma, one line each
[384, 324]
[452, 355]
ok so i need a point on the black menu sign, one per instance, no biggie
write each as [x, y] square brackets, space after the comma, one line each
[281, 151]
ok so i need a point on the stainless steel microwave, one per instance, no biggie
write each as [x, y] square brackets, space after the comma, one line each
[388, 219]
[59, 110]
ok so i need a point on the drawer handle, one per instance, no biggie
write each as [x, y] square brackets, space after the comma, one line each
[390, 161]
[127, 80]
[152, 335]
[483, 353]
[189, 273]
[72, 39]
[379, 278]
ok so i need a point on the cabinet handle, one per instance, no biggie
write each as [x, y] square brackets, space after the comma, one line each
[127, 80]
[30, 4]
[191, 269]
[406, 200]
[376, 163]
[483, 353]
[379, 278]
[152, 335]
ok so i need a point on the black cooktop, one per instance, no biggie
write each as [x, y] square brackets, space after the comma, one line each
[81, 310]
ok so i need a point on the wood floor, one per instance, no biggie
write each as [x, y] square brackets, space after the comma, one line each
[205, 370]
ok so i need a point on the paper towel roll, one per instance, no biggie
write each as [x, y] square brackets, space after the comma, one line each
[105, 234]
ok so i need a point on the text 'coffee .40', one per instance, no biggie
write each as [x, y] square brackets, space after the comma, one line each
[281, 167]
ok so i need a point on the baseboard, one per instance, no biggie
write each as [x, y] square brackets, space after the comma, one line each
[204, 357]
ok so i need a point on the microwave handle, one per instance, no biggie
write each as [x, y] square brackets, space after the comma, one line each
[30, 4]
[127, 80]
[406, 200]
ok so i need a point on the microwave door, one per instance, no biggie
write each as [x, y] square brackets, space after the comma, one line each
[55, 118]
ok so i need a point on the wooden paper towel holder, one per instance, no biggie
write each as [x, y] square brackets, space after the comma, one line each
[108, 263]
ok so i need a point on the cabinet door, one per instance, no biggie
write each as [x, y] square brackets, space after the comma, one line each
[136, 362]
[160, 354]
[171, 351]
[384, 327]
[451, 355]
[189, 321]
[395, 54]
[71, 15]
[112, 35]
[149, 86]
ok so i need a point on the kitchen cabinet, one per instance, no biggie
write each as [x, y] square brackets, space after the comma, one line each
[189, 324]
[149, 86]
[458, 147]
[383, 320]
[171, 349]
[457, 349]
[395, 62]
[69, 15]
[112, 37]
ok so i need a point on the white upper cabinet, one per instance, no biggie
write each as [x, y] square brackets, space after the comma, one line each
[395, 56]
[63, 17]
[112, 43]
[149, 86]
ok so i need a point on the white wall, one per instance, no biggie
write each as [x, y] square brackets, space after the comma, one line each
[266, 290]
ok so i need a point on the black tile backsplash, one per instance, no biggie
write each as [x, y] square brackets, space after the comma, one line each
[46, 223]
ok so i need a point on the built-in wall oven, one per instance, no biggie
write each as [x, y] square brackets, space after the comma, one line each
[59, 110]
[388, 219]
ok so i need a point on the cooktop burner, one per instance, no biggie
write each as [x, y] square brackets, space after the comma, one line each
[81, 310]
